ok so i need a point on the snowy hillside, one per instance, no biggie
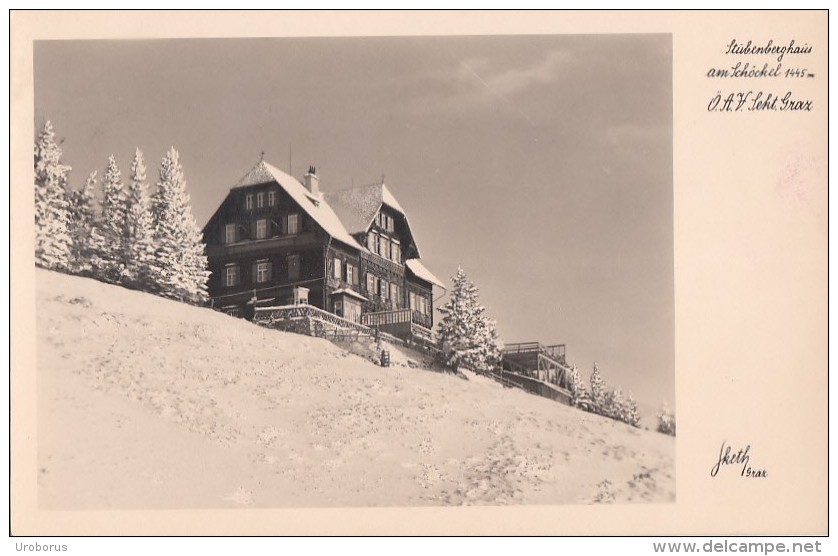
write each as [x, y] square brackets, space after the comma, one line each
[147, 403]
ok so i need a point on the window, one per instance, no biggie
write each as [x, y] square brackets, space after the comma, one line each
[391, 224]
[394, 295]
[370, 283]
[232, 275]
[351, 274]
[293, 267]
[230, 233]
[384, 289]
[377, 244]
[412, 298]
[396, 252]
[293, 224]
[261, 228]
[337, 273]
[260, 200]
[271, 198]
[248, 202]
[371, 241]
[352, 310]
[263, 271]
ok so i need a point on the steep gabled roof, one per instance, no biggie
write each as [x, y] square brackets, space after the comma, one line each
[314, 206]
[357, 206]
[420, 271]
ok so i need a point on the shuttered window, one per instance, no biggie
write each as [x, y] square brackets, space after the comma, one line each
[396, 252]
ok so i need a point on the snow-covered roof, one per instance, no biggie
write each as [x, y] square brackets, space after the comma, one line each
[357, 206]
[420, 271]
[319, 210]
[351, 293]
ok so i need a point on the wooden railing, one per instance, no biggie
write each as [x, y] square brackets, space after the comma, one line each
[555, 351]
[271, 315]
[386, 317]
[398, 316]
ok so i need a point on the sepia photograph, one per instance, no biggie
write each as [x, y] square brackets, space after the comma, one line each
[354, 271]
[420, 273]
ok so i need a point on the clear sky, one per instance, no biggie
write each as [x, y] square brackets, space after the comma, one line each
[540, 164]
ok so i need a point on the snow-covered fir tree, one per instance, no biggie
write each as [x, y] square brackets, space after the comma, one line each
[615, 404]
[112, 224]
[490, 347]
[138, 241]
[180, 265]
[468, 338]
[666, 420]
[53, 243]
[632, 414]
[598, 391]
[84, 229]
[576, 386]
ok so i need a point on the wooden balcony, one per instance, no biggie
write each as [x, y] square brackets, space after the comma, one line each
[399, 316]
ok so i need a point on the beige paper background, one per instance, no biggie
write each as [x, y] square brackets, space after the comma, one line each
[750, 207]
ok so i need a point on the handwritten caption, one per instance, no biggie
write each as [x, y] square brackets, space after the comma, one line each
[767, 62]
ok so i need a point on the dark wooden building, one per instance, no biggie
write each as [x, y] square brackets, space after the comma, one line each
[350, 252]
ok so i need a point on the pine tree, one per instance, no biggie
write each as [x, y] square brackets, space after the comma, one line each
[138, 245]
[615, 405]
[179, 262]
[53, 243]
[468, 338]
[597, 391]
[489, 347]
[666, 421]
[112, 225]
[577, 388]
[632, 415]
[84, 229]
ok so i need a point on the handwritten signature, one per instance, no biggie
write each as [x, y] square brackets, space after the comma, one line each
[729, 456]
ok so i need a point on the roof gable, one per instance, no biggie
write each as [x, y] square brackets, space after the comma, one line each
[314, 206]
[357, 206]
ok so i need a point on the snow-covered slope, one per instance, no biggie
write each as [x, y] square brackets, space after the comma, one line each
[147, 403]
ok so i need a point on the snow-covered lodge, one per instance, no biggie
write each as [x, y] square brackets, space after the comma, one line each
[349, 253]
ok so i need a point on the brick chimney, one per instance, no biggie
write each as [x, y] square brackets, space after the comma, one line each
[312, 182]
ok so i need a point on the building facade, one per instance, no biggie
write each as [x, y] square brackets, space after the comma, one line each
[350, 252]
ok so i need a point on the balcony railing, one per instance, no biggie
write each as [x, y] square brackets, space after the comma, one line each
[271, 315]
[399, 316]
[557, 351]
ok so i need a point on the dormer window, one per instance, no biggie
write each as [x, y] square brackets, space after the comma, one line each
[248, 202]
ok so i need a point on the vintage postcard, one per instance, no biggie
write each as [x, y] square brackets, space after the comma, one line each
[556, 273]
